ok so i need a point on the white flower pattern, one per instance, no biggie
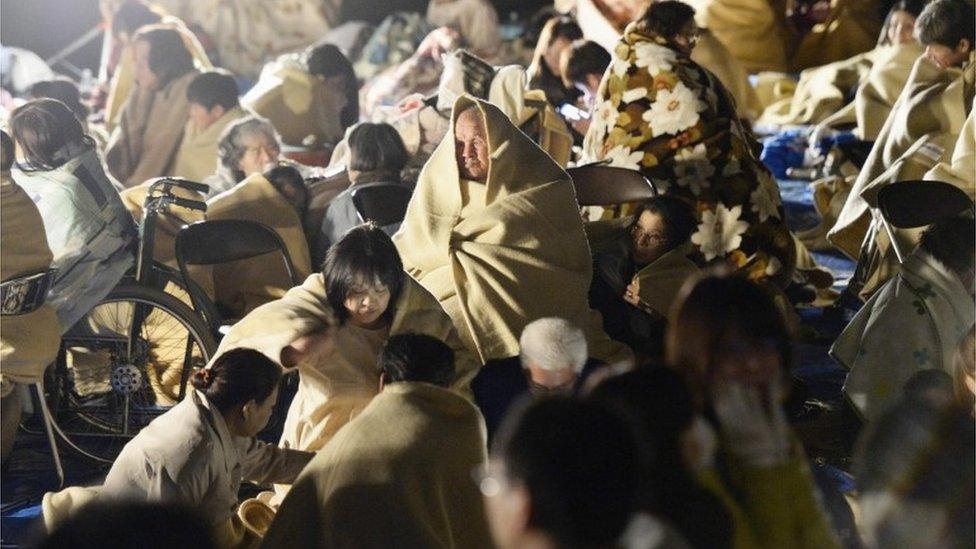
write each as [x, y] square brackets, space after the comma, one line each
[720, 231]
[692, 168]
[622, 157]
[634, 94]
[673, 111]
[654, 57]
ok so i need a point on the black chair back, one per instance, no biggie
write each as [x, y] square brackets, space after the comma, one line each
[599, 185]
[917, 203]
[382, 204]
[856, 151]
[222, 241]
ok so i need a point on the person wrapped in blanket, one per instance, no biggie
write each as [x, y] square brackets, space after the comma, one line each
[660, 113]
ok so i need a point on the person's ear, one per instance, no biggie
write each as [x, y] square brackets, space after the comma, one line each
[248, 410]
[382, 381]
[217, 111]
[964, 46]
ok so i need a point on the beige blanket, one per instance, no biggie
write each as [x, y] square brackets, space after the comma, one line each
[244, 285]
[196, 158]
[754, 31]
[660, 282]
[399, 475]
[144, 144]
[851, 28]
[932, 109]
[878, 91]
[336, 386]
[304, 110]
[960, 169]
[28, 342]
[820, 92]
[519, 255]
[123, 80]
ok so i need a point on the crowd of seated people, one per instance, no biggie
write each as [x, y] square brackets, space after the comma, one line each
[499, 366]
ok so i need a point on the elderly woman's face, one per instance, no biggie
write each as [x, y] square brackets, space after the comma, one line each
[144, 76]
[648, 238]
[471, 146]
[259, 153]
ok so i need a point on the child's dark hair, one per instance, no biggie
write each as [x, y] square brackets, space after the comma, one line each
[236, 378]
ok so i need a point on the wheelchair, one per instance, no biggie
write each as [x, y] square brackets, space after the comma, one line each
[130, 358]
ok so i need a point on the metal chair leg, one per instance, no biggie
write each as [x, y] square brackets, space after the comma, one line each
[49, 429]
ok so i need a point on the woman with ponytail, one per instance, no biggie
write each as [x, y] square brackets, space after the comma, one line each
[199, 451]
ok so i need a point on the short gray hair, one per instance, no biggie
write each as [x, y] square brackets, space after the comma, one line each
[230, 148]
[553, 344]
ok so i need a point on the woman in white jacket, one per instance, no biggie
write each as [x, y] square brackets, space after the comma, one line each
[199, 451]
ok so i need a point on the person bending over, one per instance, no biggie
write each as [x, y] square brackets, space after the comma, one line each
[199, 451]
[407, 457]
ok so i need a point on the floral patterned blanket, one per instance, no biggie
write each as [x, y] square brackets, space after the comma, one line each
[660, 113]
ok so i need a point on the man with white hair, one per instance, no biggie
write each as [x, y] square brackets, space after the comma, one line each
[553, 360]
[553, 355]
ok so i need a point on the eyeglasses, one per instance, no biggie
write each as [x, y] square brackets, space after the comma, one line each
[540, 389]
[642, 238]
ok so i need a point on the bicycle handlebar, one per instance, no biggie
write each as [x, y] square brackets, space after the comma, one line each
[190, 204]
[178, 182]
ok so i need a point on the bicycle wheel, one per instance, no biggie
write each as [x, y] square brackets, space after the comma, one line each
[126, 362]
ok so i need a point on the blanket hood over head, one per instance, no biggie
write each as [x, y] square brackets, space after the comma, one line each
[516, 253]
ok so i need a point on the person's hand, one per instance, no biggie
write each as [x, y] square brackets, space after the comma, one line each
[410, 102]
[305, 347]
[632, 293]
[754, 429]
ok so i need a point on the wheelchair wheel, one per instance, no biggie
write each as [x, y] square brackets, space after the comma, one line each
[128, 361]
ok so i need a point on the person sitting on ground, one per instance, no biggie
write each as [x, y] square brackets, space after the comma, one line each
[553, 360]
[310, 98]
[276, 198]
[912, 323]
[677, 444]
[363, 293]
[583, 65]
[562, 473]
[407, 457]
[921, 130]
[199, 451]
[891, 65]
[145, 142]
[662, 114]
[377, 156]
[640, 274]
[213, 106]
[29, 329]
[730, 342]
[914, 469]
[964, 370]
[493, 231]
[544, 72]
[89, 230]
